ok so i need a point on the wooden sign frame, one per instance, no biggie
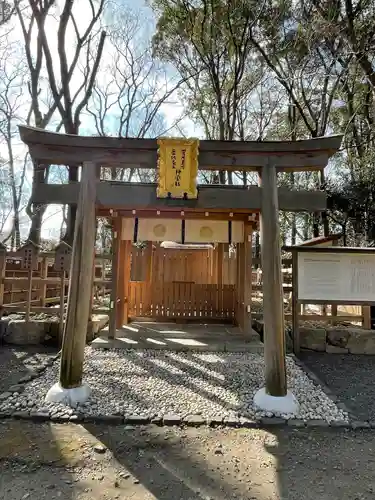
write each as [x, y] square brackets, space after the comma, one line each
[297, 301]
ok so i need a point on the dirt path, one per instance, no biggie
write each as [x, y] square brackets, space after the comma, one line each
[40, 461]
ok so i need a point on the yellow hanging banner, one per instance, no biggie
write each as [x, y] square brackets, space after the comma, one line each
[177, 168]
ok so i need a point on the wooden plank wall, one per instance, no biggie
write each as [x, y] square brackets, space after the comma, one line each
[184, 300]
[176, 265]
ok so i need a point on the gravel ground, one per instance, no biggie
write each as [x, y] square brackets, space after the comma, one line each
[15, 362]
[159, 383]
[51, 461]
[350, 377]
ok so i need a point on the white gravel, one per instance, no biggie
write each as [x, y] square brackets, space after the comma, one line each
[160, 382]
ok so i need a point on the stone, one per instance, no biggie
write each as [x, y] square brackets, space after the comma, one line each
[339, 423]
[232, 421]
[361, 341]
[333, 349]
[313, 338]
[272, 421]
[359, 424]
[39, 416]
[99, 448]
[215, 420]
[248, 423]
[194, 420]
[74, 418]
[296, 422]
[171, 419]
[317, 423]
[21, 333]
[136, 419]
[24, 415]
[16, 388]
[5, 395]
[338, 337]
[25, 378]
[110, 419]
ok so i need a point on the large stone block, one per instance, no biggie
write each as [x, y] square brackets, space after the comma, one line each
[313, 338]
[361, 341]
[21, 333]
[338, 336]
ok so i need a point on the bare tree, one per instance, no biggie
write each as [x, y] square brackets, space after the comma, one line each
[132, 89]
[57, 73]
[12, 107]
[208, 42]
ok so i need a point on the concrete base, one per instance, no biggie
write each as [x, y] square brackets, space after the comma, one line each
[285, 404]
[68, 397]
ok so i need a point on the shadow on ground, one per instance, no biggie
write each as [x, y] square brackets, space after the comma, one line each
[35, 461]
[92, 462]
[16, 361]
[350, 377]
[245, 464]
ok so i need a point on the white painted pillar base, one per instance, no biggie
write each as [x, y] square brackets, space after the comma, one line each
[68, 397]
[283, 404]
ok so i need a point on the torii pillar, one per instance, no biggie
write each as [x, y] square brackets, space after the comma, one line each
[274, 397]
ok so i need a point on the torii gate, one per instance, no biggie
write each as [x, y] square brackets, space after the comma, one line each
[93, 195]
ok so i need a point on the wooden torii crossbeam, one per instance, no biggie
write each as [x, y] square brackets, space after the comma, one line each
[266, 158]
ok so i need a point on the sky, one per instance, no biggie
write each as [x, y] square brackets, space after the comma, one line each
[170, 110]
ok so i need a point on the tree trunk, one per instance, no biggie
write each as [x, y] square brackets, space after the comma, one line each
[36, 211]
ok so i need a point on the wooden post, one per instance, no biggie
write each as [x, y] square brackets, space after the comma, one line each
[149, 255]
[75, 331]
[62, 304]
[220, 261]
[43, 286]
[123, 278]
[366, 315]
[116, 239]
[273, 307]
[334, 313]
[121, 292]
[29, 293]
[240, 285]
[247, 278]
[295, 304]
[126, 279]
